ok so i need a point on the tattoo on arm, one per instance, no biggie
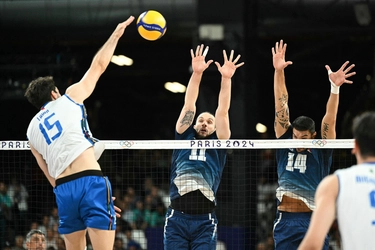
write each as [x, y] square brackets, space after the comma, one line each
[188, 118]
[282, 117]
[283, 100]
[325, 130]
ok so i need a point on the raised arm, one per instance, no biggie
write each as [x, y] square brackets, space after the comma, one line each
[282, 120]
[199, 65]
[81, 90]
[221, 116]
[337, 78]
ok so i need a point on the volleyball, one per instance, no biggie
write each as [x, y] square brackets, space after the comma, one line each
[151, 25]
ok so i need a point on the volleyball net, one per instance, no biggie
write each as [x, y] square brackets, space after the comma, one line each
[139, 172]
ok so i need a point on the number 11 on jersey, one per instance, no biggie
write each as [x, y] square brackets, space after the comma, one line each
[195, 157]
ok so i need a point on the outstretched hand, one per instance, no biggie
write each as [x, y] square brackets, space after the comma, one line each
[119, 31]
[278, 53]
[229, 67]
[198, 62]
[340, 76]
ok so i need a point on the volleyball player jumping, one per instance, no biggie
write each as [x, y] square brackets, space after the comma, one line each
[300, 170]
[195, 173]
[61, 141]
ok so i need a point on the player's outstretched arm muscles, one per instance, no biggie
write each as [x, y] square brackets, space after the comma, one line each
[199, 65]
[43, 165]
[83, 89]
[282, 120]
[227, 71]
[336, 79]
[323, 215]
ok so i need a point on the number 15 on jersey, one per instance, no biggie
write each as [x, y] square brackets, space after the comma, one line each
[50, 128]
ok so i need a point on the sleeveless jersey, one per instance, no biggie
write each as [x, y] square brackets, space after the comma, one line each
[300, 173]
[194, 169]
[60, 133]
[356, 206]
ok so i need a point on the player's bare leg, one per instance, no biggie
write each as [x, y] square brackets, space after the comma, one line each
[76, 240]
[101, 239]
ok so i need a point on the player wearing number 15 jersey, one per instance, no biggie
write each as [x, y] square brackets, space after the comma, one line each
[61, 141]
[60, 132]
[195, 173]
[300, 170]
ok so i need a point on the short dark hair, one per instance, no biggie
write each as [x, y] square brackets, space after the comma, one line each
[303, 123]
[32, 232]
[364, 133]
[39, 90]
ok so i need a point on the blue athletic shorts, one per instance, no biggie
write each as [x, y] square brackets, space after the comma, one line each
[290, 228]
[183, 231]
[85, 200]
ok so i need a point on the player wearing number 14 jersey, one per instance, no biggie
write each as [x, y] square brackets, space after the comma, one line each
[191, 222]
[300, 170]
[65, 150]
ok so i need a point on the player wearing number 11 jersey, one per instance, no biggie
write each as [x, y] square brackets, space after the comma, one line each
[300, 170]
[191, 222]
[61, 141]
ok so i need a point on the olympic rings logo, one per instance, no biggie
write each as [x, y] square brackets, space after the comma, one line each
[320, 143]
[126, 144]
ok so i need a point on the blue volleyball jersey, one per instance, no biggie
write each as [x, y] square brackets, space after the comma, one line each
[300, 173]
[194, 169]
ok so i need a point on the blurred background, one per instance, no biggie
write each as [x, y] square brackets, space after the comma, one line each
[60, 37]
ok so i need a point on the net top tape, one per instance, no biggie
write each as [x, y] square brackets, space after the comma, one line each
[219, 144]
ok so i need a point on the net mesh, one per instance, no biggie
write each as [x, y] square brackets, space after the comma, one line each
[139, 172]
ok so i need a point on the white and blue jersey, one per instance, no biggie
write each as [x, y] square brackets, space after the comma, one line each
[196, 169]
[299, 173]
[355, 206]
[60, 133]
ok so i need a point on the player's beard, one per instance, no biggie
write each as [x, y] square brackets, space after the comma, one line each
[199, 136]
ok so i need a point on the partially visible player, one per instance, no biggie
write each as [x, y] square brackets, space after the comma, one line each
[61, 141]
[36, 240]
[300, 170]
[348, 195]
[191, 222]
